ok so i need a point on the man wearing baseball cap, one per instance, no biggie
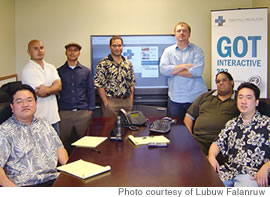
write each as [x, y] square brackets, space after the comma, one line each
[73, 44]
[77, 97]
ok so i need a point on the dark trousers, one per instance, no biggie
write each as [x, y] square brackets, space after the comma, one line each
[204, 146]
[177, 109]
[73, 126]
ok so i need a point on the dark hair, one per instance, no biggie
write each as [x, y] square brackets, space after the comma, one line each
[227, 74]
[251, 86]
[22, 87]
[116, 38]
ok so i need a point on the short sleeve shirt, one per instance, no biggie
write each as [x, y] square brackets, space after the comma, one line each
[116, 79]
[210, 115]
[29, 153]
[35, 76]
[247, 146]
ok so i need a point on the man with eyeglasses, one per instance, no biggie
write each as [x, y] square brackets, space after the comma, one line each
[30, 148]
[115, 81]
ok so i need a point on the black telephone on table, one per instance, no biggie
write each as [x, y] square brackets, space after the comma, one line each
[130, 120]
[162, 126]
[133, 118]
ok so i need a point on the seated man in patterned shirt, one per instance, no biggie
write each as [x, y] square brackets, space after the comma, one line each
[30, 147]
[115, 80]
[246, 141]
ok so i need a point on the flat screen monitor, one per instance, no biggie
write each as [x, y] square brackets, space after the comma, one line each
[144, 51]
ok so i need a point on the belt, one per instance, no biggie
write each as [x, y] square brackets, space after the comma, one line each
[76, 109]
[121, 97]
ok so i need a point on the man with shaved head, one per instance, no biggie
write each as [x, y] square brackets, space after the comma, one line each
[44, 79]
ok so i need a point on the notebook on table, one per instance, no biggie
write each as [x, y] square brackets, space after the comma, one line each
[89, 141]
[84, 169]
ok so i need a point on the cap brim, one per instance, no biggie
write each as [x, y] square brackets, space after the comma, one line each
[73, 45]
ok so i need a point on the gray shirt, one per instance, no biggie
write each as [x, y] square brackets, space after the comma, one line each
[29, 153]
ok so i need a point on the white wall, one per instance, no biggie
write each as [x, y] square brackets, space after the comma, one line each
[7, 38]
[57, 22]
[265, 3]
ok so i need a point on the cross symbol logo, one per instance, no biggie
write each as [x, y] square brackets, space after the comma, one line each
[220, 21]
[128, 54]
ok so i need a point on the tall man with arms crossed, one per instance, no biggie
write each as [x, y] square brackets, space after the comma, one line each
[30, 148]
[77, 97]
[44, 79]
[209, 113]
[115, 80]
[246, 141]
[183, 63]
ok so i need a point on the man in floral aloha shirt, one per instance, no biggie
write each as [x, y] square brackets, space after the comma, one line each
[246, 140]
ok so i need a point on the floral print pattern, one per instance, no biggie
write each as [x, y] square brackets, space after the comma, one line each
[246, 145]
[29, 153]
[117, 79]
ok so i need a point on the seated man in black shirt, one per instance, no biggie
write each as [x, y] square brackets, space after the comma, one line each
[210, 111]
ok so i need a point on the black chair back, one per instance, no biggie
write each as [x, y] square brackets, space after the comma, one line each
[5, 97]
[264, 106]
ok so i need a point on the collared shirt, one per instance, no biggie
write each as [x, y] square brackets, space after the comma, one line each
[247, 145]
[210, 115]
[29, 153]
[34, 75]
[116, 79]
[184, 89]
[78, 91]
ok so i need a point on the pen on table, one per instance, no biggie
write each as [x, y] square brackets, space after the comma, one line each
[95, 150]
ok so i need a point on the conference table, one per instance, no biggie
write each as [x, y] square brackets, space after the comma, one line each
[181, 164]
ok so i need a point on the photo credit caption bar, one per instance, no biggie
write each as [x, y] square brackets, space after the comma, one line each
[193, 191]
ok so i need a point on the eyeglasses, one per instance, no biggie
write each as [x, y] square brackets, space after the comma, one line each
[22, 101]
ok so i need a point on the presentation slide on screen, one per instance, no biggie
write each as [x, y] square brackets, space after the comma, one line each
[144, 60]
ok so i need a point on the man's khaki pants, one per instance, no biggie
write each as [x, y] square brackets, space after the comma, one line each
[115, 104]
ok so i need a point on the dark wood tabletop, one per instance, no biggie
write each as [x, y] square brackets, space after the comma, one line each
[180, 164]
